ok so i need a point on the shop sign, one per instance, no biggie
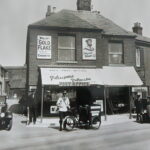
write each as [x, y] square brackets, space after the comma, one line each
[100, 102]
[74, 83]
[89, 49]
[139, 89]
[43, 47]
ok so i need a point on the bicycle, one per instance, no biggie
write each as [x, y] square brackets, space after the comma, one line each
[91, 118]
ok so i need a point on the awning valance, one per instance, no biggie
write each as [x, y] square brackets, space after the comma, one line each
[108, 76]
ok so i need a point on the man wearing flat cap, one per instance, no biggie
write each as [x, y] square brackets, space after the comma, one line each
[63, 105]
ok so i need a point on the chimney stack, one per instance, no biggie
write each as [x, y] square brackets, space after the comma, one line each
[84, 5]
[137, 28]
[48, 13]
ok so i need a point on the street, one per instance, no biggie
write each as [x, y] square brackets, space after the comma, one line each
[127, 135]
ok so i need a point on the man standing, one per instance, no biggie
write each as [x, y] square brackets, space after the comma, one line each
[138, 106]
[63, 105]
[32, 107]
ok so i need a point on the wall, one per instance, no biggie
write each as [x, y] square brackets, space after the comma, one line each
[101, 54]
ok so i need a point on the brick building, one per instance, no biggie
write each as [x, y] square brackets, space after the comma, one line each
[80, 40]
[17, 81]
[4, 81]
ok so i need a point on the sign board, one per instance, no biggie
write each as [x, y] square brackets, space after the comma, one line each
[89, 49]
[100, 102]
[43, 47]
[70, 76]
[53, 110]
[139, 89]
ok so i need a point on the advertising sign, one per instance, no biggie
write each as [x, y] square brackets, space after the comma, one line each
[88, 49]
[100, 102]
[43, 47]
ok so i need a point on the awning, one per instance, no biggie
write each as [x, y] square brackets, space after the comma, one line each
[70, 77]
[108, 76]
[120, 76]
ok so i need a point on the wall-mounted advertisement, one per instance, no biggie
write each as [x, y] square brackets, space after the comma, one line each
[88, 49]
[43, 47]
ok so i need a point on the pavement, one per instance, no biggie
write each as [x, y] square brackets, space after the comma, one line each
[54, 121]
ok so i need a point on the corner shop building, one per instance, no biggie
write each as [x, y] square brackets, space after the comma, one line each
[59, 42]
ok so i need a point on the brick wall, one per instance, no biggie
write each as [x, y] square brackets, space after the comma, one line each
[101, 54]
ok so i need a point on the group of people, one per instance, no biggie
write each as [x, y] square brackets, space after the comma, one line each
[63, 105]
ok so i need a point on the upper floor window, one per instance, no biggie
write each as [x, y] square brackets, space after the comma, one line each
[115, 50]
[66, 48]
[138, 57]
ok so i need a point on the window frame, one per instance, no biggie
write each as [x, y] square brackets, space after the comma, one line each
[115, 53]
[66, 48]
[138, 56]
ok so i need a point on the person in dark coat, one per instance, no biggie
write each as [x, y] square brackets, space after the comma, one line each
[138, 105]
[32, 107]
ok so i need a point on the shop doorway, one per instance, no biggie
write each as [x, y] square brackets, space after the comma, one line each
[118, 100]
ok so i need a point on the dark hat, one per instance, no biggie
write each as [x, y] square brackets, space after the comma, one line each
[64, 92]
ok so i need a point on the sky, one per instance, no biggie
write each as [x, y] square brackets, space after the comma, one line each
[16, 15]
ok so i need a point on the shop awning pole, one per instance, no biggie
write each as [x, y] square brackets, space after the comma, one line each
[105, 102]
[130, 103]
[42, 96]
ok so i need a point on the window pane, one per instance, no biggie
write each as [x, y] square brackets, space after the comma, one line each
[138, 61]
[66, 41]
[66, 55]
[115, 47]
[66, 48]
[115, 53]
[115, 59]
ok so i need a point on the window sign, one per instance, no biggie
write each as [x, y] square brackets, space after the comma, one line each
[89, 49]
[43, 47]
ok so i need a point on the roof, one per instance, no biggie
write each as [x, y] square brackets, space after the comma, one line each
[82, 20]
[64, 18]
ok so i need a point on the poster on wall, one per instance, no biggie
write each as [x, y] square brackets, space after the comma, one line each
[43, 47]
[88, 49]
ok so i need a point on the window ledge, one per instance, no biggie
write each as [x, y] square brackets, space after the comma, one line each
[67, 62]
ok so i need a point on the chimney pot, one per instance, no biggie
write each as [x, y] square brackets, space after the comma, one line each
[84, 5]
[137, 28]
[48, 13]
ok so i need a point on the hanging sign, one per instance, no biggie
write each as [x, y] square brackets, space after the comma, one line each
[89, 49]
[43, 47]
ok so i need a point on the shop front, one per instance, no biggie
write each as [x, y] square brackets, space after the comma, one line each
[83, 87]
[110, 87]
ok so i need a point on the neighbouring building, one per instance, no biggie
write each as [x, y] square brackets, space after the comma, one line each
[4, 81]
[86, 54]
[142, 46]
[17, 81]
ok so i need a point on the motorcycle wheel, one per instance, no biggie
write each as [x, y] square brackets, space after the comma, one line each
[9, 126]
[141, 119]
[96, 122]
[68, 123]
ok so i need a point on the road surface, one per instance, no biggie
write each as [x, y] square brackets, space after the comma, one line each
[127, 135]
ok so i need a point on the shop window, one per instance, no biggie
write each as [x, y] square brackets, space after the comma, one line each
[138, 57]
[66, 48]
[115, 50]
